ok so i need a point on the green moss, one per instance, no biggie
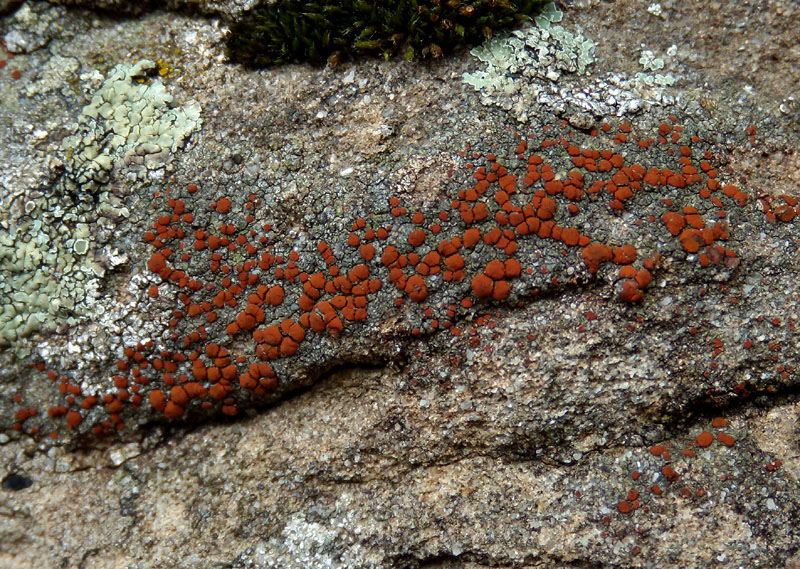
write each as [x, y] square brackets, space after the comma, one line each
[298, 31]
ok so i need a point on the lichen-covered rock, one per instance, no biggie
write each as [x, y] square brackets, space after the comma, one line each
[129, 119]
[50, 229]
[573, 330]
[226, 8]
[31, 27]
[540, 69]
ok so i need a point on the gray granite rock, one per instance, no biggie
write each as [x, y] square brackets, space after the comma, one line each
[228, 9]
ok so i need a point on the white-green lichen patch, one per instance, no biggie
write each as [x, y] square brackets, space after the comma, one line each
[80, 246]
[54, 243]
[543, 51]
[32, 293]
[545, 65]
[523, 66]
[651, 63]
[550, 14]
[128, 116]
[48, 274]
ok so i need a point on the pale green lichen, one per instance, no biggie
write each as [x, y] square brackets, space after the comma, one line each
[544, 51]
[29, 268]
[538, 67]
[52, 258]
[80, 246]
[46, 273]
[650, 62]
[525, 67]
[130, 115]
[550, 14]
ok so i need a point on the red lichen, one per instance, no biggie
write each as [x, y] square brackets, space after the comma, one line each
[223, 205]
[172, 410]
[704, 439]
[474, 243]
[156, 263]
[482, 286]
[74, 419]
[416, 289]
[669, 473]
[726, 439]
[416, 237]
[630, 291]
[594, 255]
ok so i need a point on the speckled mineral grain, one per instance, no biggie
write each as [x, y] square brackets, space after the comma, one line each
[532, 305]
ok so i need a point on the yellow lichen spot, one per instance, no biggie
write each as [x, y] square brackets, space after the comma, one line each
[164, 68]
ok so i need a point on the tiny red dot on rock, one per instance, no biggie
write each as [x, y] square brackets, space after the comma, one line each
[416, 237]
[482, 286]
[704, 439]
[223, 205]
[156, 263]
[74, 419]
[726, 439]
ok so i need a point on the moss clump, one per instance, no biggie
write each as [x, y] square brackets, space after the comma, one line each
[297, 31]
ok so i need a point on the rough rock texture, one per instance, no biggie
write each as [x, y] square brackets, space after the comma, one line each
[223, 8]
[366, 316]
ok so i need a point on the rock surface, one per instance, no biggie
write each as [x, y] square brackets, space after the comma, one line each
[607, 377]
